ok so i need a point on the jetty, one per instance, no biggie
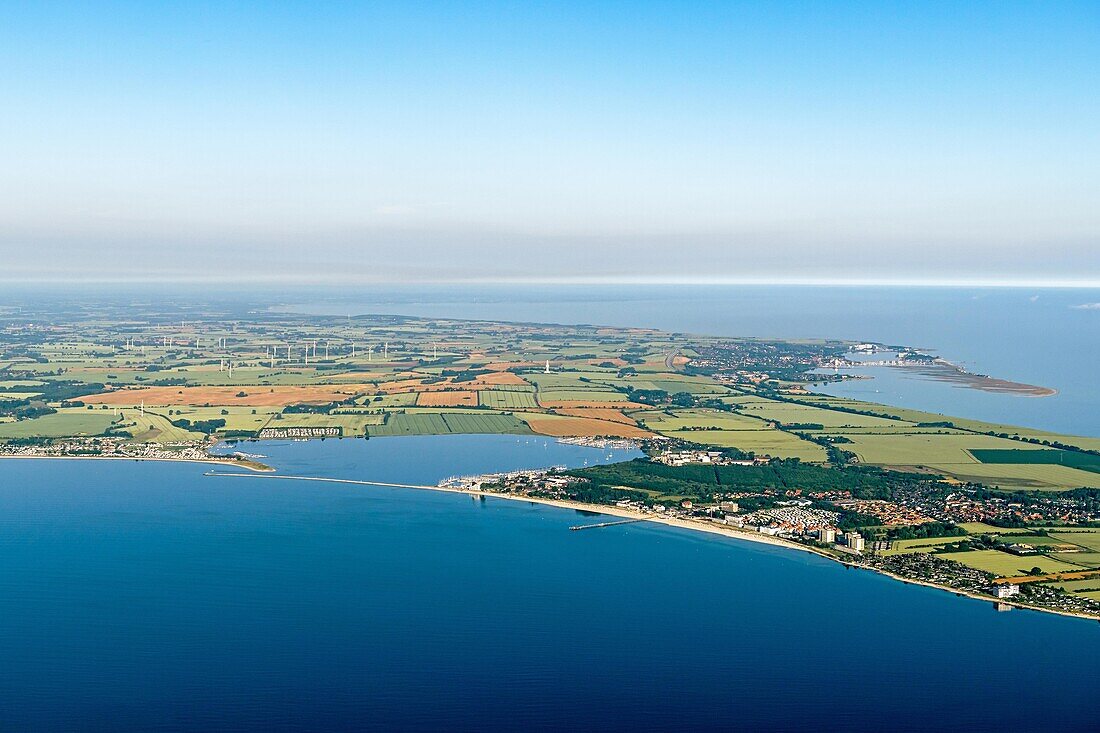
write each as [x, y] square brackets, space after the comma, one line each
[579, 527]
[320, 478]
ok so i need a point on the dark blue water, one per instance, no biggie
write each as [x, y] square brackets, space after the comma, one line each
[1036, 336]
[147, 596]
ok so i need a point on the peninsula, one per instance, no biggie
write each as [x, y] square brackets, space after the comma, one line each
[735, 439]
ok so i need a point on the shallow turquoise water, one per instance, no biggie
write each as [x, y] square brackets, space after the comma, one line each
[148, 596]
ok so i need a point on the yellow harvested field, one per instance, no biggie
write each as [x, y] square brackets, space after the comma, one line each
[580, 427]
[255, 396]
[401, 385]
[598, 413]
[497, 378]
[456, 398]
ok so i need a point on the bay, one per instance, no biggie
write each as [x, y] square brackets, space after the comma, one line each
[140, 595]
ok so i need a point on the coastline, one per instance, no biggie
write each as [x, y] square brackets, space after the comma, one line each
[767, 540]
[258, 468]
[940, 369]
[708, 528]
[764, 540]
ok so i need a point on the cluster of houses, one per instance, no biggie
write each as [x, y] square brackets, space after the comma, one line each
[890, 513]
[111, 448]
[707, 457]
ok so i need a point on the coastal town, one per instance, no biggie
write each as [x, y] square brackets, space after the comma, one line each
[800, 520]
[735, 441]
[110, 448]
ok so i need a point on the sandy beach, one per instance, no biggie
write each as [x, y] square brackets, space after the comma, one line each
[693, 526]
[261, 471]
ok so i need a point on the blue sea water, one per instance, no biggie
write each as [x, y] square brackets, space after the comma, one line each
[1047, 337]
[147, 596]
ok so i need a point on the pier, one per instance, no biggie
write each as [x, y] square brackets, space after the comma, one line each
[324, 479]
[579, 527]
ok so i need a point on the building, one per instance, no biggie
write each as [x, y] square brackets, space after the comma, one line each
[1006, 591]
[853, 541]
[826, 535]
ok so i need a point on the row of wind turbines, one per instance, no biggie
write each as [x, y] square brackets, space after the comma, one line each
[309, 350]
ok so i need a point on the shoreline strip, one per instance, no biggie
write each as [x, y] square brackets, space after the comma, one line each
[670, 522]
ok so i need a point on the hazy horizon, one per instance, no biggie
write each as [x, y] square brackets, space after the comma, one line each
[552, 143]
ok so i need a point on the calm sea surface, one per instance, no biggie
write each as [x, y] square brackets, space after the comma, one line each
[1042, 337]
[147, 596]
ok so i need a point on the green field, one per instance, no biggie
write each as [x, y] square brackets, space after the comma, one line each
[568, 386]
[1004, 564]
[1083, 559]
[10, 396]
[350, 424]
[401, 399]
[64, 423]
[434, 423]
[952, 453]
[785, 412]
[981, 528]
[693, 420]
[1075, 586]
[507, 400]
[154, 427]
[774, 443]
[1085, 538]
[18, 383]
[1055, 457]
[247, 419]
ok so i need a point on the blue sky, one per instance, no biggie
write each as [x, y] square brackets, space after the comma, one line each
[624, 141]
